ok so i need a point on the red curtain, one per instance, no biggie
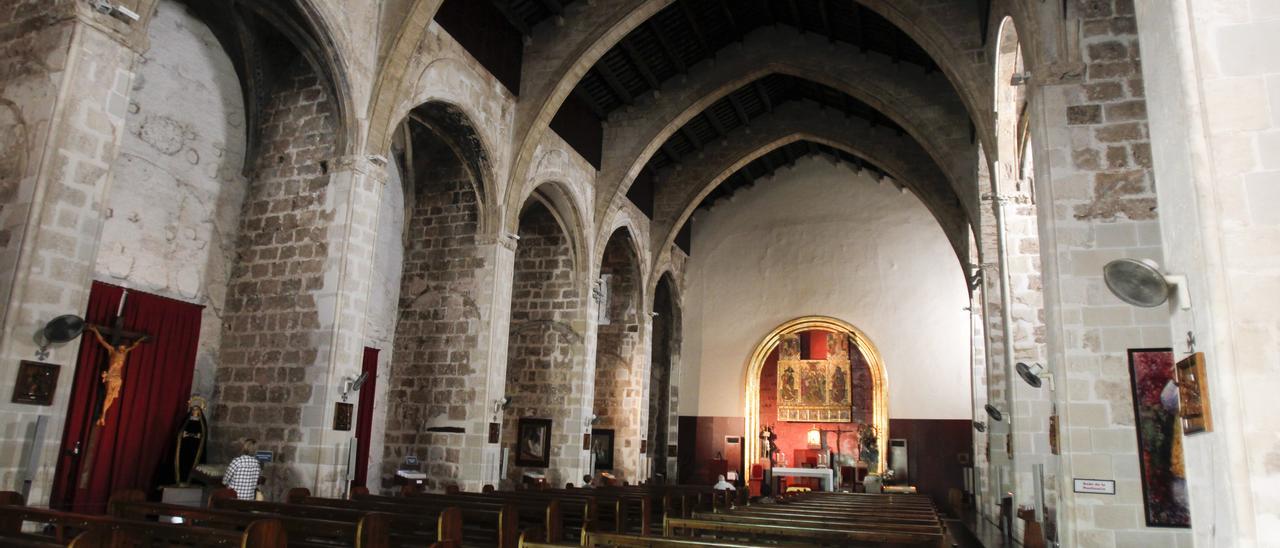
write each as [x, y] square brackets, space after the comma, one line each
[140, 427]
[364, 417]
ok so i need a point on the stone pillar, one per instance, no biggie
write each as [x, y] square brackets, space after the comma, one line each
[1097, 201]
[65, 77]
[481, 459]
[1215, 102]
[355, 191]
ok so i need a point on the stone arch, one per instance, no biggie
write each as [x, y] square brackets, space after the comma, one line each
[445, 80]
[663, 379]
[432, 380]
[561, 202]
[455, 128]
[619, 363]
[680, 191]
[925, 105]
[546, 373]
[879, 378]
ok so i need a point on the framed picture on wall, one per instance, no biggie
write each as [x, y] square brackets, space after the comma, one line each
[533, 442]
[36, 383]
[602, 448]
[1159, 430]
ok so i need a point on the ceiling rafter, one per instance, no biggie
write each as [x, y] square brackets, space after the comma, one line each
[826, 20]
[611, 79]
[641, 66]
[693, 24]
[715, 122]
[666, 47]
[737, 108]
[764, 95]
[504, 7]
[590, 102]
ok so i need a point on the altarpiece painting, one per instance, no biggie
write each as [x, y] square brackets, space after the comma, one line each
[814, 390]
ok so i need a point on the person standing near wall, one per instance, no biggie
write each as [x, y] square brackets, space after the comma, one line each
[243, 472]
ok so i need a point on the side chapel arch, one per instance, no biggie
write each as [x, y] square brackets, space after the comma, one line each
[879, 380]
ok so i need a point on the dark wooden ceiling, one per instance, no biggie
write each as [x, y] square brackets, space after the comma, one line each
[689, 31]
[753, 100]
[526, 14]
[783, 157]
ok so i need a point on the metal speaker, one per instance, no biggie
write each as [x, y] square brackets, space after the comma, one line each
[994, 413]
[1137, 282]
[63, 329]
[1030, 374]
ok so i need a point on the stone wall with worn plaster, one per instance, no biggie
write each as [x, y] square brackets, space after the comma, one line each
[173, 210]
[619, 365]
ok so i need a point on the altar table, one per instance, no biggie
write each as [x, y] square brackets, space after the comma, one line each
[827, 475]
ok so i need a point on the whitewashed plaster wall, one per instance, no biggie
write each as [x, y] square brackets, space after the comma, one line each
[174, 204]
[820, 239]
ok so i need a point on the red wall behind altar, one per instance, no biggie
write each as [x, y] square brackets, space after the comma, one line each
[792, 435]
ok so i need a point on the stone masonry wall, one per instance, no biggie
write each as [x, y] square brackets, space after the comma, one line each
[64, 87]
[438, 320]
[1094, 176]
[619, 380]
[544, 360]
[33, 53]
[271, 321]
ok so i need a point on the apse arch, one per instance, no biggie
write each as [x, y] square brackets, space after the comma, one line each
[756, 363]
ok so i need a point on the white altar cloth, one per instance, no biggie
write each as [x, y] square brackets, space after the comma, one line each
[827, 475]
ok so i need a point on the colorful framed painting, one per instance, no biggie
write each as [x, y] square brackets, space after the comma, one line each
[533, 442]
[602, 448]
[1159, 430]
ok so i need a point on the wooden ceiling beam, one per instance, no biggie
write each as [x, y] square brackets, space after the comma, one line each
[790, 155]
[586, 98]
[728, 16]
[737, 107]
[554, 7]
[715, 122]
[641, 66]
[826, 20]
[764, 95]
[693, 23]
[688, 134]
[666, 47]
[614, 84]
[504, 7]
[795, 16]
[671, 153]
[859, 29]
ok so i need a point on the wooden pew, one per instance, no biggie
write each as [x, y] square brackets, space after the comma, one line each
[266, 533]
[831, 534]
[369, 530]
[493, 524]
[617, 510]
[614, 539]
[562, 517]
[403, 529]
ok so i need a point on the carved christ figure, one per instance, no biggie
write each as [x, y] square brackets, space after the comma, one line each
[113, 378]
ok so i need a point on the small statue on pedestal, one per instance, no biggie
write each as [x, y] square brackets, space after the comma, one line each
[191, 441]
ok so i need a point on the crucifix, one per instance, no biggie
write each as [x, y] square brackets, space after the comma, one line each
[117, 352]
[118, 343]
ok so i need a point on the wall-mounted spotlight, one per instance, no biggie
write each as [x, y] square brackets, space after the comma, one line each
[59, 330]
[1021, 78]
[353, 384]
[1141, 283]
[501, 404]
[994, 413]
[1034, 375]
[980, 426]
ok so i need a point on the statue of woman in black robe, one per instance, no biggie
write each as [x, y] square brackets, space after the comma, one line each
[191, 440]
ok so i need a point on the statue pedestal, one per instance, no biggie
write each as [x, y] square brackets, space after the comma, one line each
[871, 483]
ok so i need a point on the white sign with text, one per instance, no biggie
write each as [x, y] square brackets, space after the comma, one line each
[1095, 486]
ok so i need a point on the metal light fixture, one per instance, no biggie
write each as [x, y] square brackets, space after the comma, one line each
[353, 384]
[1034, 375]
[994, 413]
[980, 426]
[1141, 283]
[59, 330]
